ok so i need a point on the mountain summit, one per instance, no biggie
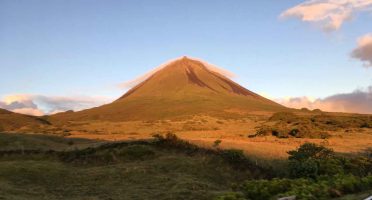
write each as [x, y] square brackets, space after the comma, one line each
[187, 77]
[182, 87]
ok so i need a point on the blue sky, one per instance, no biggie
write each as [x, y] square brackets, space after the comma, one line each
[87, 47]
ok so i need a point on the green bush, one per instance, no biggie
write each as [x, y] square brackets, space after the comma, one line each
[312, 160]
[231, 196]
[264, 189]
[311, 150]
[235, 157]
[317, 173]
[358, 165]
[307, 168]
[304, 189]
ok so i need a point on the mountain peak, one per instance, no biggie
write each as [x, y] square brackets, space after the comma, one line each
[186, 76]
[185, 58]
[182, 87]
[186, 63]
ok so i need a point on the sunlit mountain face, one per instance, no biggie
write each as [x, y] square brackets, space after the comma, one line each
[179, 88]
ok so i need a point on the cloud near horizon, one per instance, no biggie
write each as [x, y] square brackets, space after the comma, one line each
[328, 14]
[363, 51]
[358, 101]
[39, 105]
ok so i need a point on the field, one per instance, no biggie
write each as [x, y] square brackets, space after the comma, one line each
[201, 157]
[135, 170]
[51, 167]
[233, 133]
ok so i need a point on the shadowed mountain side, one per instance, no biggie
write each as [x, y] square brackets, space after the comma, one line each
[183, 87]
[11, 121]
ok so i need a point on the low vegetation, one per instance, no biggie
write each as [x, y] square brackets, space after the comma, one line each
[162, 168]
[167, 167]
[288, 124]
[321, 188]
[314, 172]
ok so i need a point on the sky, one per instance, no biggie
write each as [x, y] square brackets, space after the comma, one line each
[74, 54]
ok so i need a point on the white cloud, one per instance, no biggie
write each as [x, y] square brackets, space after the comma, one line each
[363, 51]
[359, 101]
[329, 14]
[40, 105]
[29, 111]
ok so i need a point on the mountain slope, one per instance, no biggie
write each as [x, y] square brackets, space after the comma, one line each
[12, 121]
[183, 87]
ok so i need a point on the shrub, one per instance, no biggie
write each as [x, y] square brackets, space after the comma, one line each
[263, 131]
[312, 160]
[264, 189]
[216, 143]
[284, 116]
[279, 133]
[306, 168]
[324, 135]
[318, 173]
[365, 125]
[170, 140]
[287, 124]
[231, 196]
[357, 165]
[298, 128]
[235, 157]
[304, 189]
[311, 150]
[294, 132]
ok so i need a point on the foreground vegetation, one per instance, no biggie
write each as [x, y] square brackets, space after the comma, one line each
[169, 168]
[164, 168]
[315, 172]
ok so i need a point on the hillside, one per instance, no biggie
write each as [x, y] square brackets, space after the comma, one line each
[13, 121]
[182, 88]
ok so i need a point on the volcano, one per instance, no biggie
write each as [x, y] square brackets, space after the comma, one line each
[180, 88]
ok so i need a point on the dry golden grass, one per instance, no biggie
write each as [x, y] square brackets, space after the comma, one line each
[204, 130]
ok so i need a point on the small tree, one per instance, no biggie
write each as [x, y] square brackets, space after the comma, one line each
[312, 160]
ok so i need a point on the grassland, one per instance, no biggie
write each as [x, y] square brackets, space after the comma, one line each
[234, 133]
[133, 170]
[50, 167]
[345, 133]
[120, 160]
